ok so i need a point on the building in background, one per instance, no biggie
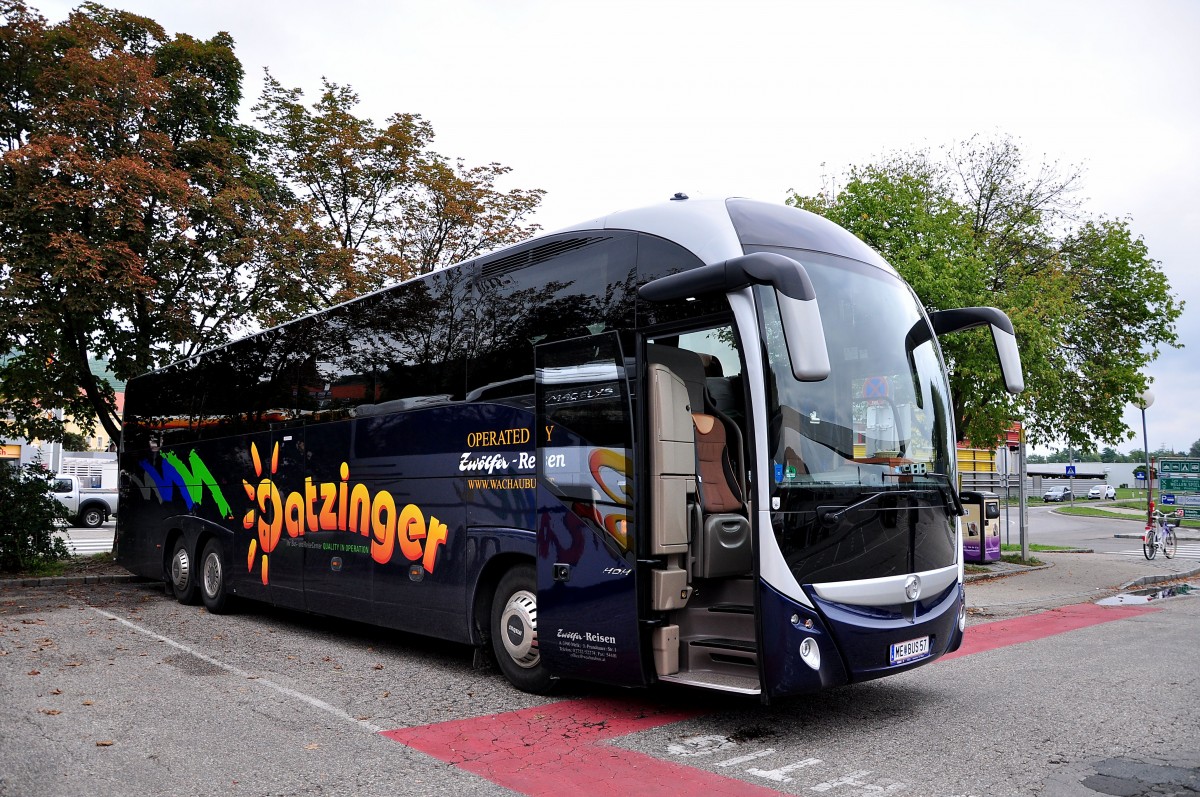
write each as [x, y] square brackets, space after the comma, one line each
[22, 451]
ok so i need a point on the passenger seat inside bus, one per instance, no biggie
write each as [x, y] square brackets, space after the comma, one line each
[720, 541]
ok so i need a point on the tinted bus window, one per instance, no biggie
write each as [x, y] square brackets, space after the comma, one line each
[417, 335]
[658, 258]
[568, 287]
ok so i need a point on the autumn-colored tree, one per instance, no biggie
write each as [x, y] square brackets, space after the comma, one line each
[1090, 307]
[131, 220]
[140, 222]
[377, 205]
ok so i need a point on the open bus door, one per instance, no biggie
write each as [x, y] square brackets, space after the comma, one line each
[586, 567]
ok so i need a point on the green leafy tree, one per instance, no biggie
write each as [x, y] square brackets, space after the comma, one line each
[74, 441]
[976, 227]
[29, 516]
[1194, 451]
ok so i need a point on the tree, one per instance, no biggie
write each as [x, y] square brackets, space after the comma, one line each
[131, 218]
[975, 228]
[1194, 451]
[141, 223]
[74, 441]
[29, 516]
[377, 205]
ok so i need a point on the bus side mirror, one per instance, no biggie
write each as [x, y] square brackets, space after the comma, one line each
[797, 299]
[804, 336]
[1003, 336]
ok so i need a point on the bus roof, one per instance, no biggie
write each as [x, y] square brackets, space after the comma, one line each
[718, 229]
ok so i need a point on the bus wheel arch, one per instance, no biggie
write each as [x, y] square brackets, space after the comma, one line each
[513, 630]
[181, 569]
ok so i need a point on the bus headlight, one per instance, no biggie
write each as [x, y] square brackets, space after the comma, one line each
[810, 653]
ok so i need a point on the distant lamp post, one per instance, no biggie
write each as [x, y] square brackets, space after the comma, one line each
[1144, 401]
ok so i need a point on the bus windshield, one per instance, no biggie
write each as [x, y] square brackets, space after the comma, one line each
[862, 462]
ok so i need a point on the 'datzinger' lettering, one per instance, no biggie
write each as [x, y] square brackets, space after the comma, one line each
[343, 506]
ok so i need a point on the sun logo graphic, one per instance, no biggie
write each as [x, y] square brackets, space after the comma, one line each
[335, 506]
[265, 494]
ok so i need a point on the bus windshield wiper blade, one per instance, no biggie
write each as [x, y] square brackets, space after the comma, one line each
[832, 515]
[947, 489]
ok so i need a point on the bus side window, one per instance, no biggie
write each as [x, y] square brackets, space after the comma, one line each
[561, 289]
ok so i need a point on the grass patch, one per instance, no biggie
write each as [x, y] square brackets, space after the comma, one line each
[1036, 547]
[1091, 511]
[73, 566]
[1015, 559]
[1088, 511]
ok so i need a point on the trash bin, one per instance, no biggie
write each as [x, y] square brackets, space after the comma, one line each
[981, 527]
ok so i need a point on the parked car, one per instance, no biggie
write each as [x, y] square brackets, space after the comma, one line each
[1106, 491]
[1057, 494]
[86, 506]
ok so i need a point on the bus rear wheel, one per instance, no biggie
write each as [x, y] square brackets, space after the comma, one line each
[213, 582]
[181, 576]
[514, 631]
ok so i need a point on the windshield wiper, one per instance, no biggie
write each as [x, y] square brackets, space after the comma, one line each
[944, 485]
[832, 515]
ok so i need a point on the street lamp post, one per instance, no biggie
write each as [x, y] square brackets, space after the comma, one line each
[1143, 402]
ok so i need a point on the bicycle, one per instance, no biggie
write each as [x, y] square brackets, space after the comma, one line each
[1159, 536]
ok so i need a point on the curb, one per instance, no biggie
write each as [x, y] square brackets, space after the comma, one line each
[66, 581]
[1145, 581]
[1015, 570]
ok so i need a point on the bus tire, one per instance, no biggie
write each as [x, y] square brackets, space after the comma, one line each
[213, 579]
[514, 631]
[181, 574]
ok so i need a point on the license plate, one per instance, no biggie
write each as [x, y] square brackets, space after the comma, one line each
[913, 649]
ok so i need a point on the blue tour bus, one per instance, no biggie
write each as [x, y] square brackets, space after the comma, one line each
[708, 442]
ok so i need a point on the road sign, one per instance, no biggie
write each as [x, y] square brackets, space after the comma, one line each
[875, 387]
[1182, 478]
[1071, 471]
[1139, 475]
[1181, 466]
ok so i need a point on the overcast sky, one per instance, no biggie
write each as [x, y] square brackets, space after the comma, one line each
[616, 104]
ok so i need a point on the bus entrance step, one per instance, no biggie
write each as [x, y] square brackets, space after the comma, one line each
[724, 682]
[731, 608]
[734, 645]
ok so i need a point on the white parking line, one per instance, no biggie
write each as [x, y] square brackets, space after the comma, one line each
[283, 690]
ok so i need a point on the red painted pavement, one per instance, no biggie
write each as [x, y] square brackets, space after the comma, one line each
[560, 748]
[1001, 633]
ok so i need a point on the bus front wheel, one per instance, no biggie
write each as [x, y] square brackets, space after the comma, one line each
[514, 631]
[181, 575]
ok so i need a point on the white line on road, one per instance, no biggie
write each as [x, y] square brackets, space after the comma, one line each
[88, 547]
[1191, 551]
[303, 698]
